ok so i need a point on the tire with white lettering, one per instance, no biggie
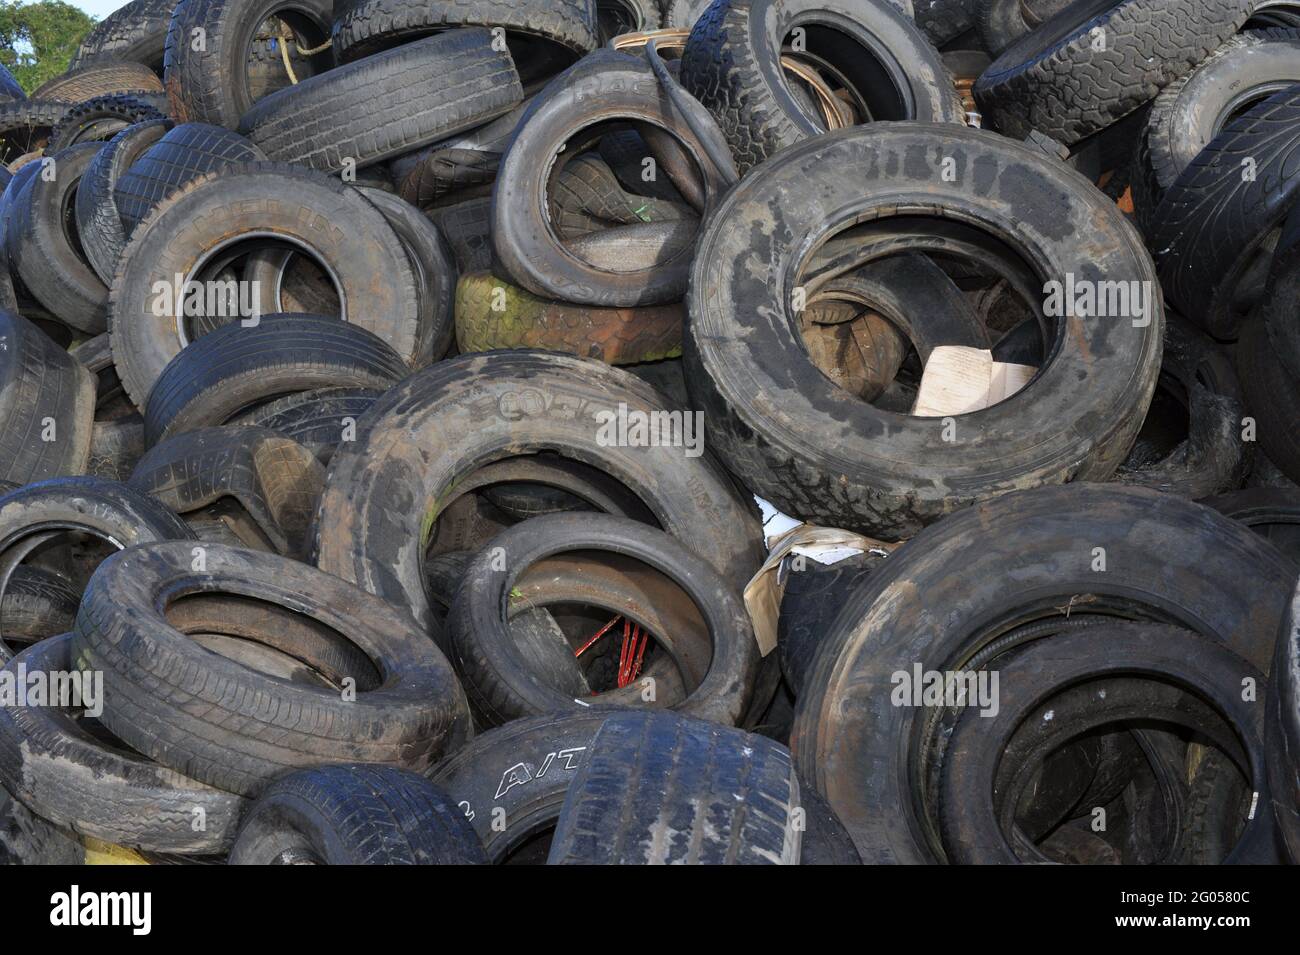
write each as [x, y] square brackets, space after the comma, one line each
[233, 368]
[876, 471]
[47, 405]
[229, 723]
[664, 789]
[105, 510]
[1165, 559]
[478, 409]
[355, 815]
[78, 780]
[510, 782]
[502, 684]
[192, 229]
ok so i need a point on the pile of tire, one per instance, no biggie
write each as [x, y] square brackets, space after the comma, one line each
[393, 395]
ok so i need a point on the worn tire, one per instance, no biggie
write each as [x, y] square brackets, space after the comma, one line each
[101, 119]
[98, 79]
[363, 111]
[234, 368]
[40, 381]
[467, 227]
[317, 419]
[731, 65]
[133, 33]
[1001, 22]
[661, 789]
[479, 408]
[1282, 733]
[286, 202]
[355, 815]
[944, 20]
[768, 406]
[1272, 396]
[1052, 79]
[223, 723]
[1167, 560]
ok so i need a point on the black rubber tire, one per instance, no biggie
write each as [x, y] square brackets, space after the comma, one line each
[40, 382]
[499, 680]
[280, 200]
[183, 155]
[876, 471]
[230, 726]
[317, 419]
[1184, 672]
[1282, 733]
[212, 84]
[1188, 115]
[116, 447]
[37, 604]
[467, 227]
[944, 20]
[435, 271]
[510, 782]
[526, 242]
[98, 79]
[44, 254]
[97, 356]
[134, 33]
[366, 112]
[364, 27]
[1280, 309]
[76, 780]
[1167, 560]
[1271, 512]
[25, 125]
[101, 119]
[616, 17]
[814, 595]
[27, 839]
[616, 336]
[1001, 22]
[731, 64]
[355, 815]
[1035, 82]
[234, 368]
[1272, 397]
[276, 481]
[105, 510]
[481, 408]
[99, 226]
[682, 13]
[661, 789]
[1213, 458]
[1214, 222]
[11, 90]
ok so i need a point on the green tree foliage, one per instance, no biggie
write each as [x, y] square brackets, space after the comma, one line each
[38, 39]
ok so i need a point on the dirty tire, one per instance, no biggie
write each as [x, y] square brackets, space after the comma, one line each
[37, 604]
[903, 474]
[213, 85]
[183, 155]
[944, 20]
[317, 419]
[1001, 22]
[732, 66]
[380, 501]
[99, 224]
[1282, 734]
[230, 726]
[527, 244]
[812, 600]
[499, 680]
[284, 201]
[661, 789]
[1271, 512]
[467, 227]
[364, 27]
[616, 17]
[116, 446]
[26, 124]
[40, 381]
[234, 368]
[1189, 113]
[1052, 79]
[616, 336]
[355, 815]
[77, 781]
[43, 253]
[1280, 310]
[1272, 396]
[1168, 560]
[98, 79]
[276, 481]
[364, 111]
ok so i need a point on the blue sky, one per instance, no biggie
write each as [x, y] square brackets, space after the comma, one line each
[98, 8]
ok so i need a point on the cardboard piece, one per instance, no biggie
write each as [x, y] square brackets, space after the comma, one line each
[958, 379]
